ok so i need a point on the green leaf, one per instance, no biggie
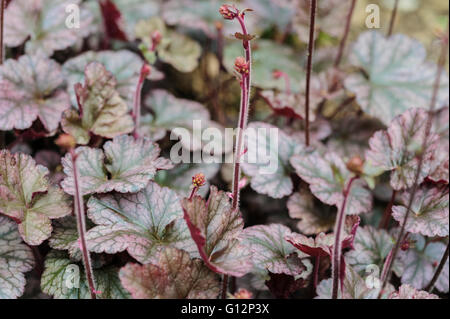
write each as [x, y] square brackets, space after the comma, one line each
[58, 278]
[176, 49]
[27, 197]
[44, 24]
[125, 166]
[391, 86]
[141, 223]
[173, 276]
[104, 112]
[30, 88]
[268, 57]
[16, 258]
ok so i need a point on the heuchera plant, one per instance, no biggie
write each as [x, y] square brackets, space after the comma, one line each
[99, 105]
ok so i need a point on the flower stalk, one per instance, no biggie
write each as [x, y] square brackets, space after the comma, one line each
[145, 72]
[436, 85]
[243, 66]
[81, 225]
[345, 36]
[312, 23]
[337, 249]
[2, 18]
[393, 17]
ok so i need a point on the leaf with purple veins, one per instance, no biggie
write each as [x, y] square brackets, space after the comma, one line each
[216, 230]
[174, 275]
[30, 89]
[125, 166]
[141, 223]
[27, 197]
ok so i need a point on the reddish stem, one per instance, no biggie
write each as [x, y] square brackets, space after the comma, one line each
[345, 36]
[242, 125]
[145, 71]
[2, 16]
[312, 23]
[316, 272]
[393, 16]
[441, 64]
[337, 249]
[81, 225]
[439, 269]
[384, 222]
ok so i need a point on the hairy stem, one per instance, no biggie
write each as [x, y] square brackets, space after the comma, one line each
[439, 269]
[384, 222]
[337, 250]
[242, 125]
[81, 225]
[441, 64]
[145, 71]
[393, 16]
[312, 23]
[345, 36]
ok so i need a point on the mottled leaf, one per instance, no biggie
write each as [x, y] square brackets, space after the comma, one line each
[60, 281]
[420, 264]
[313, 219]
[30, 90]
[173, 276]
[216, 230]
[397, 149]
[16, 258]
[327, 177]
[372, 246]
[279, 13]
[272, 253]
[268, 57]
[322, 244]
[429, 215]
[354, 288]
[27, 197]
[409, 292]
[125, 166]
[44, 23]
[267, 159]
[124, 65]
[389, 85]
[103, 113]
[141, 223]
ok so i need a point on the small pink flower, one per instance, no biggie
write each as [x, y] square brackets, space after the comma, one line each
[198, 180]
[242, 183]
[241, 66]
[156, 38]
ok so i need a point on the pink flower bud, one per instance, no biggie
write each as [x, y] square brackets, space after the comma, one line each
[241, 66]
[228, 12]
[243, 294]
[156, 38]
